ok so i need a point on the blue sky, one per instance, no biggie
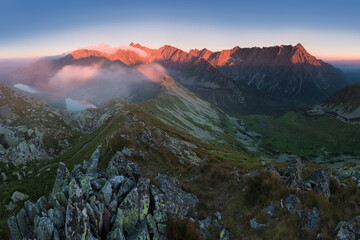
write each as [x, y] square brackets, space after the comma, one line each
[328, 29]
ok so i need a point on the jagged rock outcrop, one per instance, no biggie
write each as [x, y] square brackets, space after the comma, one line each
[292, 176]
[318, 180]
[19, 144]
[93, 204]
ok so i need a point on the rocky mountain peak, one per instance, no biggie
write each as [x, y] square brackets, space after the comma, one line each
[85, 53]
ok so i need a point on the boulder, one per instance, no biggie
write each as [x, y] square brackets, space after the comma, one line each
[24, 147]
[320, 182]
[140, 232]
[23, 223]
[129, 209]
[62, 179]
[144, 197]
[255, 225]
[171, 199]
[57, 217]
[117, 234]
[44, 229]
[77, 221]
[292, 176]
[270, 209]
[41, 202]
[11, 206]
[116, 182]
[118, 165]
[19, 196]
[3, 175]
[14, 229]
[311, 219]
[160, 217]
[106, 191]
[126, 187]
[85, 185]
[31, 210]
[151, 224]
[345, 230]
[91, 165]
[292, 202]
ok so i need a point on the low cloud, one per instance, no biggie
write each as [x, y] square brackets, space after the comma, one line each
[105, 48]
[153, 71]
[72, 77]
[98, 85]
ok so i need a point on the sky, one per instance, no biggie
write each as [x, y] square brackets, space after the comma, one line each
[328, 29]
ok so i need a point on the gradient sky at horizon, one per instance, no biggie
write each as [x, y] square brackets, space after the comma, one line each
[327, 29]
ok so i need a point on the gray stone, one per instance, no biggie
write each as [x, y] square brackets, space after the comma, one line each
[17, 174]
[57, 216]
[11, 206]
[24, 147]
[30, 132]
[116, 181]
[44, 229]
[144, 196]
[292, 176]
[172, 199]
[291, 203]
[32, 210]
[14, 229]
[97, 184]
[19, 196]
[151, 224]
[312, 218]
[77, 221]
[345, 230]
[118, 165]
[41, 202]
[140, 232]
[162, 228]
[129, 209]
[270, 209]
[255, 225]
[85, 184]
[117, 234]
[160, 217]
[77, 171]
[62, 179]
[320, 182]
[126, 187]
[113, 205]
[106, 191]
[23, 222]
[91, 165]
[3, 175]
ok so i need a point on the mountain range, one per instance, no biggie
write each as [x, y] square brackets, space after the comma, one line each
[238, 80]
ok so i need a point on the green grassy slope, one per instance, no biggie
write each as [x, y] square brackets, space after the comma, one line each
[304, 135]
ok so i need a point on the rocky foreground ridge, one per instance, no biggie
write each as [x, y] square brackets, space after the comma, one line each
[119, 203]
[318, 181]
